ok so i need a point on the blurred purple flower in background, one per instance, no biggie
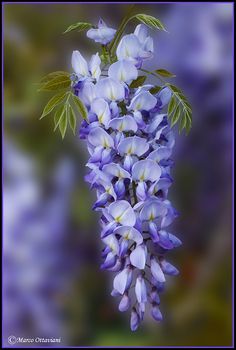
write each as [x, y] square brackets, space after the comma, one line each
[39, 263]
[205, 71]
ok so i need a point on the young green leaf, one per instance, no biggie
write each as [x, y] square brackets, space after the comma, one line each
[123, 106]
[182, 124]
[80, 26]
[172, 105]
[138, 82]
[188, 125]
[155, 89]
[174, 88]
[53, 75]
[185, 108]
[165, 73]
[175, 116]
[52, 103]
[80, 107]
[63, 123]
[58, 115]
[150, 21]
[72, 118]
[57, 83]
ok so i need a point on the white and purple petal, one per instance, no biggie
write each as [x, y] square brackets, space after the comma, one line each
[125, 123]
[153, 209]
[138, 256]
[129, 233]
[99, 137]
[122, 280]
[123, 70]
[102, 34]
[133, 145]
[146, 170]
[100, 107]
[143, 101]
[140, 290]
[79, 64]
[110, 89]
[94, 66]
[122, 212]
[156, 271]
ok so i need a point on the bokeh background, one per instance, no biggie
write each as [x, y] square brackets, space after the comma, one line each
[52, 283]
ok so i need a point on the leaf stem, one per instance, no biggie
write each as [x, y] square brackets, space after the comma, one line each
[154, 74]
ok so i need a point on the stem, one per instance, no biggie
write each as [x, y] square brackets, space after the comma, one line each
[106, 53]
[147, 280]
[120, 31]
[134, 193]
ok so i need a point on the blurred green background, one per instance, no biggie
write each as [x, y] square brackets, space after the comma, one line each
[196, 305]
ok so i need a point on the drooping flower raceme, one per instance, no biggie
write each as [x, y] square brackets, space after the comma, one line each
[130, 142]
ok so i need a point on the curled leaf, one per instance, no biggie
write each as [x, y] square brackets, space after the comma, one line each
[80, 26]
[150, 21]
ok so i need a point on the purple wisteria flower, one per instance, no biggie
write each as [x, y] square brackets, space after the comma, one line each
[130, 142]
[102, 34]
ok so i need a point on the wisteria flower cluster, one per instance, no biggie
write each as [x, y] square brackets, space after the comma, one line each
[130, 140]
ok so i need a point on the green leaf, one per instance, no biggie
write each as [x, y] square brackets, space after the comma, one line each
[175, 116]
[185, 109]
[138, 82]
[155, 89]
[52, 103]
[53, 75]
[58, 115]
[57, 83]
[63, 123]
[174, 88]
[150, 21]
[123, 106]
[71, 118]
[80, 107]
[172, 105]
[80, 26]
[188, 125]
[182, 123]
[165, 73]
